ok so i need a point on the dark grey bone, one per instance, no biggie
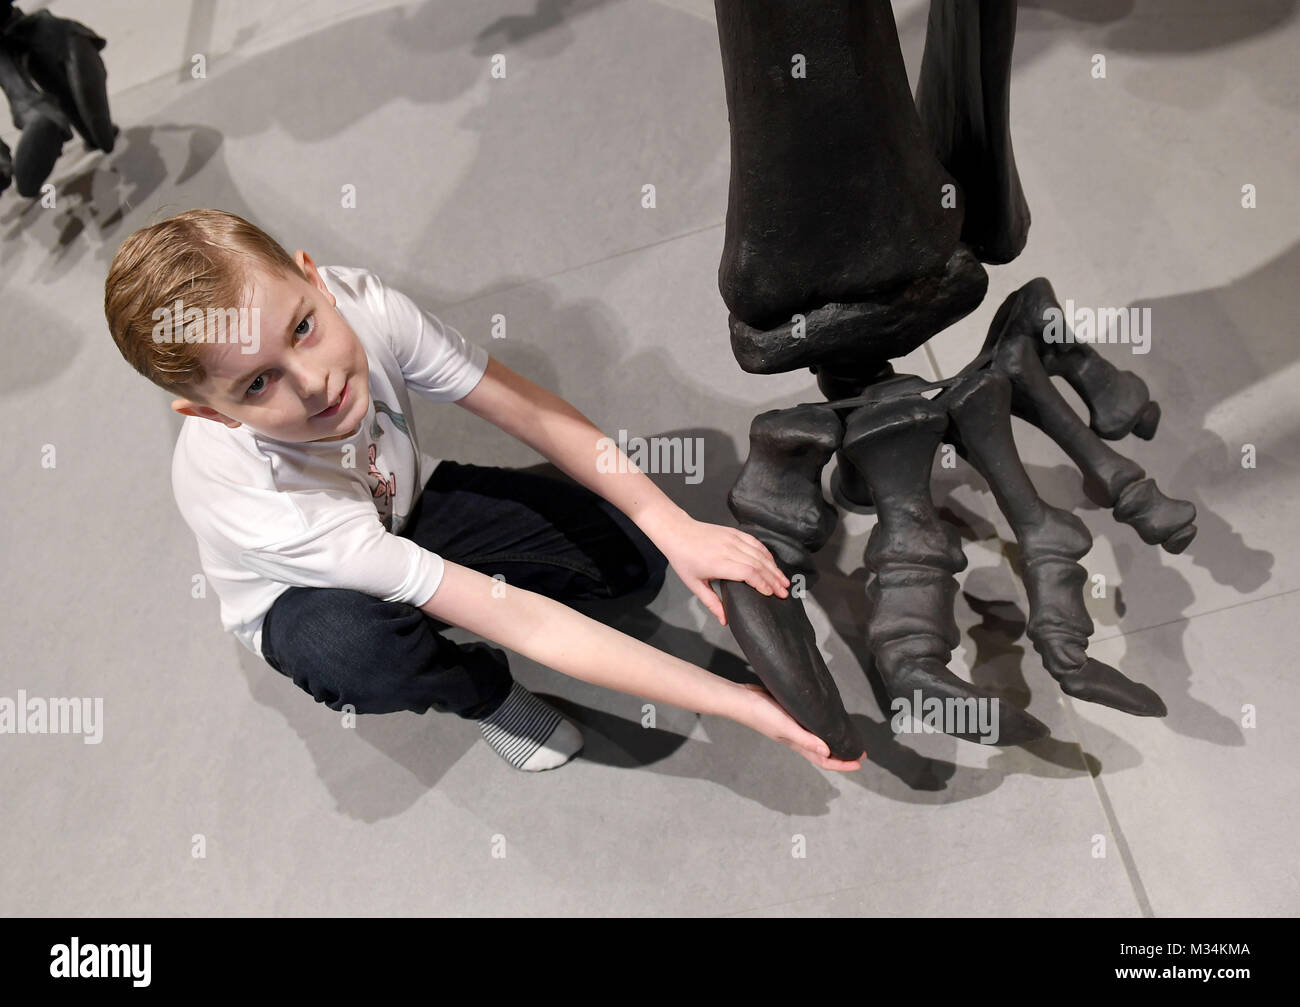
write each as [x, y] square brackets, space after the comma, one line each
[837, 385]
[912, 555]
[1051, 543]
[1118, 401]
[834, 209]
[43, 124]
[55, 81]
[1134, 499]
[778, 499]
[963, 96]
[62, 56]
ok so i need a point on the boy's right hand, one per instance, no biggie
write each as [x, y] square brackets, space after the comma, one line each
[766, 716]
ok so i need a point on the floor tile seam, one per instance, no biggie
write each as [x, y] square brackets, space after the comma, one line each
[1195, 615]
[548, 277]
[1127, 859]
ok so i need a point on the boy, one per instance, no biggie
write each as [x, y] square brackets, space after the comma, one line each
[298, 471]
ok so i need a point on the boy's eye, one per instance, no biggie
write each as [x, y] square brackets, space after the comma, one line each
[254, 388]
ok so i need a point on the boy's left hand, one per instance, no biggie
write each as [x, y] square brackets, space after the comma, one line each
[701, 552]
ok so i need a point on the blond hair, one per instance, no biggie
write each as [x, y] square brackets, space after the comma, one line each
[202, 257]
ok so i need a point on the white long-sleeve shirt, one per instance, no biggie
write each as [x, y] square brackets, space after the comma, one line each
[271, 515]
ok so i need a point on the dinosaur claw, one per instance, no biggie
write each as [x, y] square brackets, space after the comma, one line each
[1100, 683]
[925, 686]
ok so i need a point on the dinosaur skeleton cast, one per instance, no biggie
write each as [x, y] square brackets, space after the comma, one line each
[51, 73]
[858, 220]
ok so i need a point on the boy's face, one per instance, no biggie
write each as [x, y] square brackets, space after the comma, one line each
[307, 357]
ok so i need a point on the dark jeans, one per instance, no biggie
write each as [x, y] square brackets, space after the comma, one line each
[545, 533]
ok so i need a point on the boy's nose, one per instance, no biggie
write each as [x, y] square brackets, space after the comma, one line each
[314, 391]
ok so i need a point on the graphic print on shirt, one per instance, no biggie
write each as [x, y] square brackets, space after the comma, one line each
[398, 419]
[383, 491]
[384, 487]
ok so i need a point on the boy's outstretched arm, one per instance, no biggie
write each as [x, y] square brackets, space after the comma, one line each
[699, 552]
[561, 638]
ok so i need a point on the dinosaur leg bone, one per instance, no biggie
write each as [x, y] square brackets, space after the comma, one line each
[839, 249]
[963, 96]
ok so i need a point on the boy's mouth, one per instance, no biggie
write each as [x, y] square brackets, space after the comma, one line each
[333, 410]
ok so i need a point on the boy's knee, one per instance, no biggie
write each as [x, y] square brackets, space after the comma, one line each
[329, 620]
[345, 648]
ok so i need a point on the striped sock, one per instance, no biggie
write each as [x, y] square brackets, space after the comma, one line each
[529, 733]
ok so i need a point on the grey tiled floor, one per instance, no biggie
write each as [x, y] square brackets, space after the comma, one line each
[480, 196]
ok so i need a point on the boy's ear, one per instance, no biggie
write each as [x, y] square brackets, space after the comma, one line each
[189, 408]
[308, 266]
